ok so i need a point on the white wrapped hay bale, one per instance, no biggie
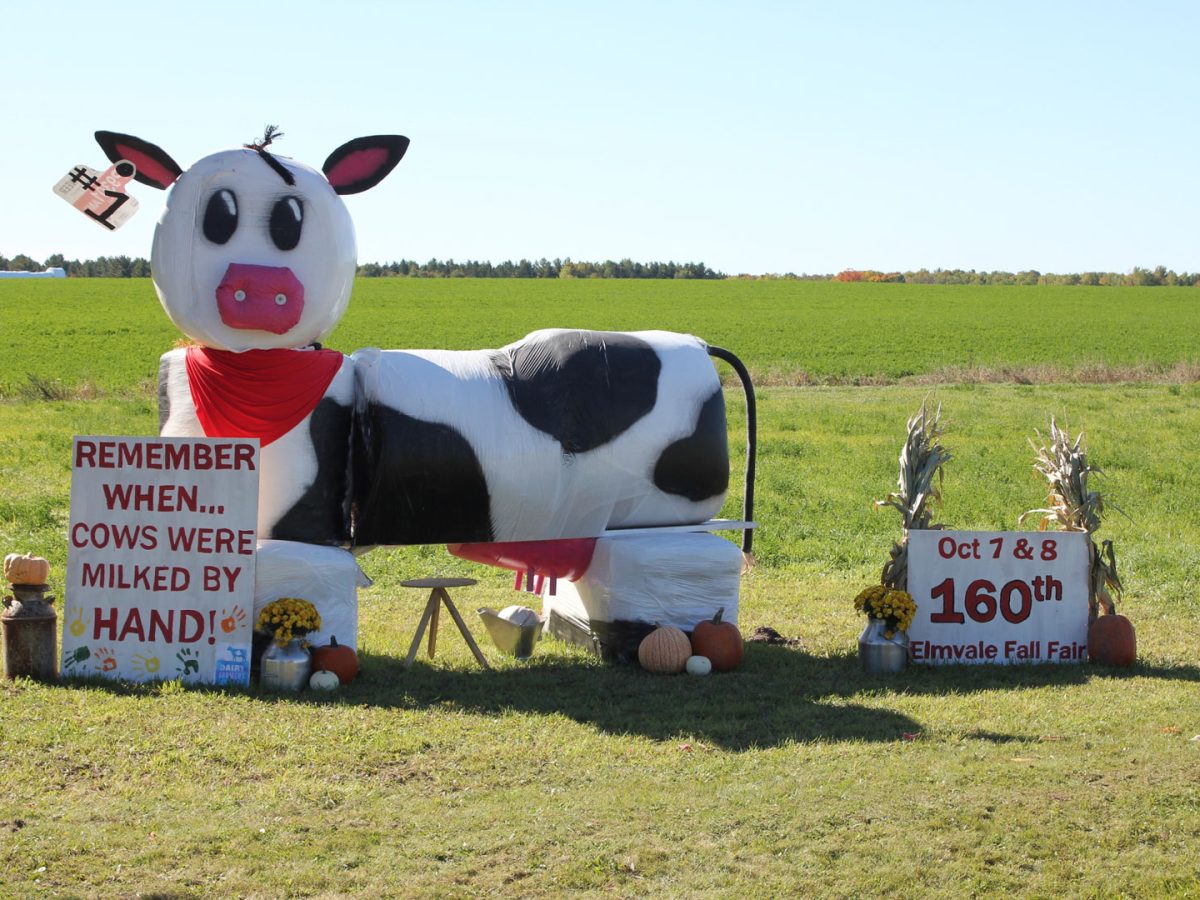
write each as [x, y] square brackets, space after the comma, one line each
[327, 577]
[638, 582]
[562, 434]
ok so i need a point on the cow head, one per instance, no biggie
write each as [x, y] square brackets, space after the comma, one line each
[253, 250]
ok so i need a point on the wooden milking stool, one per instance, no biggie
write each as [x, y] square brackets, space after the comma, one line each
[429, 619]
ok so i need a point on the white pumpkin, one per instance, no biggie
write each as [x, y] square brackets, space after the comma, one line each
[699, 665]
[324, 680]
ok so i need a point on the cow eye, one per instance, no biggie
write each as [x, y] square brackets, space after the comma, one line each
[287, 215]
[220, 216]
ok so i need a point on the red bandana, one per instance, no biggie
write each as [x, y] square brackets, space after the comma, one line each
[259, 393]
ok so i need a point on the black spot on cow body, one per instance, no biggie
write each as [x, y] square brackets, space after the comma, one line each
[322, 515]
[416, 482]
[697, 466]
[502, 362]
[583, 388]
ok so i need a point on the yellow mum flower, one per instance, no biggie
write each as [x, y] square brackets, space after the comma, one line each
[288, 617]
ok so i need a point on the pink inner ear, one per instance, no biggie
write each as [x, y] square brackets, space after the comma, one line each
[148, 165]
[357, 166]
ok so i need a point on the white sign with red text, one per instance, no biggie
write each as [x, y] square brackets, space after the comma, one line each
[160, 559]
[998, 596]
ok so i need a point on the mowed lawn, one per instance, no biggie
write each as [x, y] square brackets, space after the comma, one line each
[796, 774]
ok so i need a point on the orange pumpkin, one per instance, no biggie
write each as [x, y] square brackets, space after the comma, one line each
[337, 658]
[720, 641]
[665, 650]
[25, 569]
[1112, 641]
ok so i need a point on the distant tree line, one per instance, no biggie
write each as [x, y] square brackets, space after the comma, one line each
[125, 267]
[1139, 277]
[104, 267]
[139, 267]
[542, 268]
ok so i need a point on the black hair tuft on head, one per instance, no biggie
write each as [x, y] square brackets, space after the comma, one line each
[270, 133]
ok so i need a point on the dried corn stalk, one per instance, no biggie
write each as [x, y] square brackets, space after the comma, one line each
[921, 461]
[1073, 506]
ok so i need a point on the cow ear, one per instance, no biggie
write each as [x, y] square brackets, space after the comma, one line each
[363, 162]
[154, 166]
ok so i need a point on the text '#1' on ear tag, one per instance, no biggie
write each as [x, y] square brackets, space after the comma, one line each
[100, 195]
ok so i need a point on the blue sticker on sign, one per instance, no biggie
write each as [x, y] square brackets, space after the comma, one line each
[234, 667]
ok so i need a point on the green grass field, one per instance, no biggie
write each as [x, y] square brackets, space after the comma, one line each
[100, 335]
[796, 774]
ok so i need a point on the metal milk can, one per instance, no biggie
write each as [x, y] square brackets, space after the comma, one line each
[882, 655]
[285, 668]
[30, 633]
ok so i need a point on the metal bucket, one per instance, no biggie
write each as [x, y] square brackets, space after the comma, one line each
[515, 640]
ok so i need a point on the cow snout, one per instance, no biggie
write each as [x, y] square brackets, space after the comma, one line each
[260, 298]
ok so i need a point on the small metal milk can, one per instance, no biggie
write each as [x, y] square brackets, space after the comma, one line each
[28, 620]
[285, 668]
[882, 655]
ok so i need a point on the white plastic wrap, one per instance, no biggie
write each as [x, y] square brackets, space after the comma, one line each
[327, 577]
[289, 467]
[435, 419]
[188, 268]
[669, 579]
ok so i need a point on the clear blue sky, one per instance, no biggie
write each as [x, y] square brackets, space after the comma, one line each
[754, 136]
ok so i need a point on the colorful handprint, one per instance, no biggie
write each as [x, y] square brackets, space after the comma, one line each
[77, 656]
[188, 663]
[231, 621]
[105, 660]
[146, 665]
[78, 623]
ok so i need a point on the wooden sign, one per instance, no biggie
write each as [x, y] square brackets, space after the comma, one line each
[160, 559]
[998, 597]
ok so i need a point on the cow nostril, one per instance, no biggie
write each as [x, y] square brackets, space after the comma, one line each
[280, 299]
[239, 296]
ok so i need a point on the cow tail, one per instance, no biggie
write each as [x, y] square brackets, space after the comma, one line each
[751, 439]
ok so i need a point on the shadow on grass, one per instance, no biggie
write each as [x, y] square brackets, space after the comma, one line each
[764, 703]
[779, 695]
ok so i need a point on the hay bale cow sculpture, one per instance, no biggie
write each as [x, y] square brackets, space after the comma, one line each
[563, 434]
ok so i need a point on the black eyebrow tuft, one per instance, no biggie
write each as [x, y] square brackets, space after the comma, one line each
[279, 167]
